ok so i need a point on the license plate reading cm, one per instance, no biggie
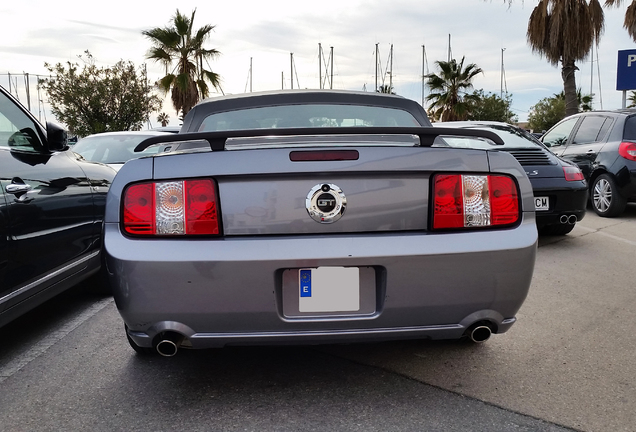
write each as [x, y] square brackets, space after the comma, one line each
[541, 203]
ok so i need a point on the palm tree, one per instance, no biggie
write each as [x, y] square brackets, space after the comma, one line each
[584, 102]
[563, 32]
[179, 44]
[630, 16]
[385, 88]
[164, 119]
[449, 97]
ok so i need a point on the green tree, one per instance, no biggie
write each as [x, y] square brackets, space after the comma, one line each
[546, 113]
[386, 89]
[448, 90]
[563, 31]
[90, 100]
[631, 99]
[163, 118]
[491, 107]
[180, 45]
[584, 101]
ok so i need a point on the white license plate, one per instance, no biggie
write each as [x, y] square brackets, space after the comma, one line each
[541, 203]
[329, 289]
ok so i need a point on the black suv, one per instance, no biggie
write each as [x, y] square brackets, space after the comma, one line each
[51, 210]
[603, 145]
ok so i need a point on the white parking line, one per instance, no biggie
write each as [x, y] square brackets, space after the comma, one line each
[51, 339]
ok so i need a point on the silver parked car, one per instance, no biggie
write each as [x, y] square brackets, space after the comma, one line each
[317, 217]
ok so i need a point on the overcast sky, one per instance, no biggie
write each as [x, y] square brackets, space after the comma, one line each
[34, 32]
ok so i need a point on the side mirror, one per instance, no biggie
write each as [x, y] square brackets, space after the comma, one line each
[56, 137]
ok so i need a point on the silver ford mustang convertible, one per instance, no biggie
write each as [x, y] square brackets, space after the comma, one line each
[316, 217]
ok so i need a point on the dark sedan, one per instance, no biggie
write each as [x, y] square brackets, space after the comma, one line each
[51, 210]
[560, 192]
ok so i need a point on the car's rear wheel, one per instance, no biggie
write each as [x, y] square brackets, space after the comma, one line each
[144, 351]
[561, 229]
[606, 200]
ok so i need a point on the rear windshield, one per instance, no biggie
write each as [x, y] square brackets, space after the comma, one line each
[514, 138]
[630, 129]
[307, 116]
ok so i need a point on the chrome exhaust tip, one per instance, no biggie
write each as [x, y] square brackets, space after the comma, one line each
[169, 343]
[563, 219]
[480, 334]
[572, 219]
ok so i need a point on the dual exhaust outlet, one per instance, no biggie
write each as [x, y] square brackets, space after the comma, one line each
[568, 219]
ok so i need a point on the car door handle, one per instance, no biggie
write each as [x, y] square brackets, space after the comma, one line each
[14, 188]
[590, 152]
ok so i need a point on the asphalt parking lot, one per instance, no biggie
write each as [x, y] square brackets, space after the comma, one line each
[570, 357]
[567, 364]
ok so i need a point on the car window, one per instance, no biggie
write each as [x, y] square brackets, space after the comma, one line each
[17, 130]
[590, 129]
[311, 115]
[112, 148]
[514, 138]
[558, 136]
[629, 133]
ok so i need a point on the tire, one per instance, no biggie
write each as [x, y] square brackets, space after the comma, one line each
[560, 229]
[142, 351]
[605, 197]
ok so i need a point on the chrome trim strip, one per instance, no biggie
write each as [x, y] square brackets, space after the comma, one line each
[49, 276]
[51, 231]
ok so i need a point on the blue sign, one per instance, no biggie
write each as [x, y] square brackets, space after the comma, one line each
[305, 283]
[626, 70]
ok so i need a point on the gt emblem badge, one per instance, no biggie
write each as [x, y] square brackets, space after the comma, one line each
[326, 203]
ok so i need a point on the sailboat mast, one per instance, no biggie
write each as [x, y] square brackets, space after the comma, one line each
[376, 67]
[423, 73]
[319, 66]
[331, 58]
[391, 73]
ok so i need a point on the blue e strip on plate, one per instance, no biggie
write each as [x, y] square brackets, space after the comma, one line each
[305, 283]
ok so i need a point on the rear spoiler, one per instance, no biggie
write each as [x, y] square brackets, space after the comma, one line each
[217, 140]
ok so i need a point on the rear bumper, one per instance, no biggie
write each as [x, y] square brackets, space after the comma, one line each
[566, 199]
[626, 179]
[230, 291]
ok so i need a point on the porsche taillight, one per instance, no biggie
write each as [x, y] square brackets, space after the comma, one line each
[183, 207]
[572, 173]
[470, 201]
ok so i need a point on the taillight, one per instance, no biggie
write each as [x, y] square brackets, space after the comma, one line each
[627, 150]
[464, 201]
[572, 173]
[187, 207]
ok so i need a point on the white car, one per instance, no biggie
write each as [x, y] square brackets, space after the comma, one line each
[115, 148]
